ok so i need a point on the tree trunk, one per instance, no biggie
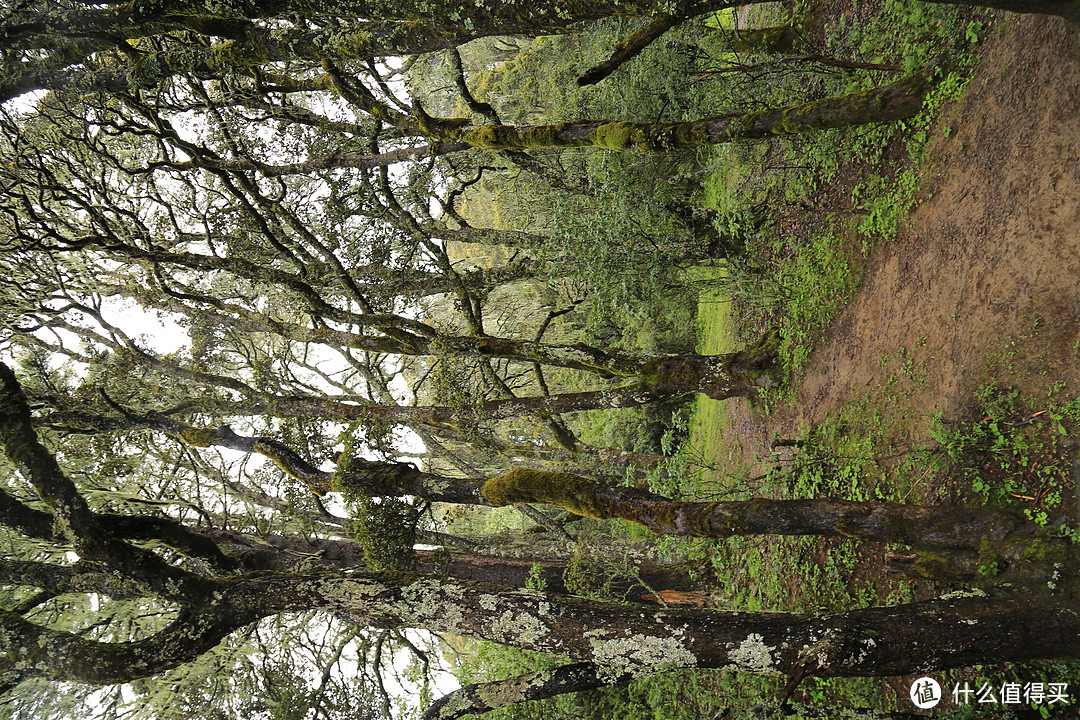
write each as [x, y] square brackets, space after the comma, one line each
[1070, 9]
[899, 100]
[762, 41]
[978, 546]
[407, 28]
[885, 641]
[321, 408]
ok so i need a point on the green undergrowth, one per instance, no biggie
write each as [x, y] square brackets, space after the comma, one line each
[1011, 449]
[833, 196]
[1018, 451]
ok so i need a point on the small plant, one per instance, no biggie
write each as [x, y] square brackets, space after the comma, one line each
[535, 580]
[974, 31]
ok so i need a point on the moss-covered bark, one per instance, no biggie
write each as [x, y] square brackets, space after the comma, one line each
[770, 40]
[899, 100]
[975, 546]
[243, 35]
[982, 547]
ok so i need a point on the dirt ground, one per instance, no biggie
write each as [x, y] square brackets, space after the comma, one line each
[982, 283]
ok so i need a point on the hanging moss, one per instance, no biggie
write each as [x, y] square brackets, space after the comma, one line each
[570, 492]
[386, 531]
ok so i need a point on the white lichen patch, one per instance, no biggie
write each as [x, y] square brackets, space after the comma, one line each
[543, 608]
[352, 591]
[458, 705]
[867, 645]
[956, 594]
[438, 487]
[431, 604]
[520, 628]
[488, 602]
[512, 691]
[753, 655]
[640, 655]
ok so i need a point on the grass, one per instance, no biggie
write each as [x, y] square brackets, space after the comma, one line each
[708, 425]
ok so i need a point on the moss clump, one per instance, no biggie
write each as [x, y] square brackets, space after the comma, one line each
[198, 437]
[386, 531]
[505, 137]
[570, 492]
[619, 136]
[758, 362]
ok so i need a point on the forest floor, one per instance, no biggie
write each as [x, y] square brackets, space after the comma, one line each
[982, 283]
[980, 288]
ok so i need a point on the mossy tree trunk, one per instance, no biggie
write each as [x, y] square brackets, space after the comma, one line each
[897, 101]
[1070, 9]
[771, 40]
[978, 546]
[975, 546]
[240, 36]
[322, 408]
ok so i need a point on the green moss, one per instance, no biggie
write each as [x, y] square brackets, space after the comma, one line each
[198, 437]
[505, 137]
[758, 363]
[619, 136]
[441, 128]
[573, 493]
[233, 54]
[274, 455]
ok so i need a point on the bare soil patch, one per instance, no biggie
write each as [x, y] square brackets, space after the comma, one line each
[983, 283]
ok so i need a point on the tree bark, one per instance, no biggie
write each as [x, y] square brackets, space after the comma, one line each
[408, 28]
[1070, 9]
[484, 697]
[914, 638]
[979, 546]
[897, 101]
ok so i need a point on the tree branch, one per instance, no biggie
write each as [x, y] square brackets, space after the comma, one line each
[630, 48]
[483, 697]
